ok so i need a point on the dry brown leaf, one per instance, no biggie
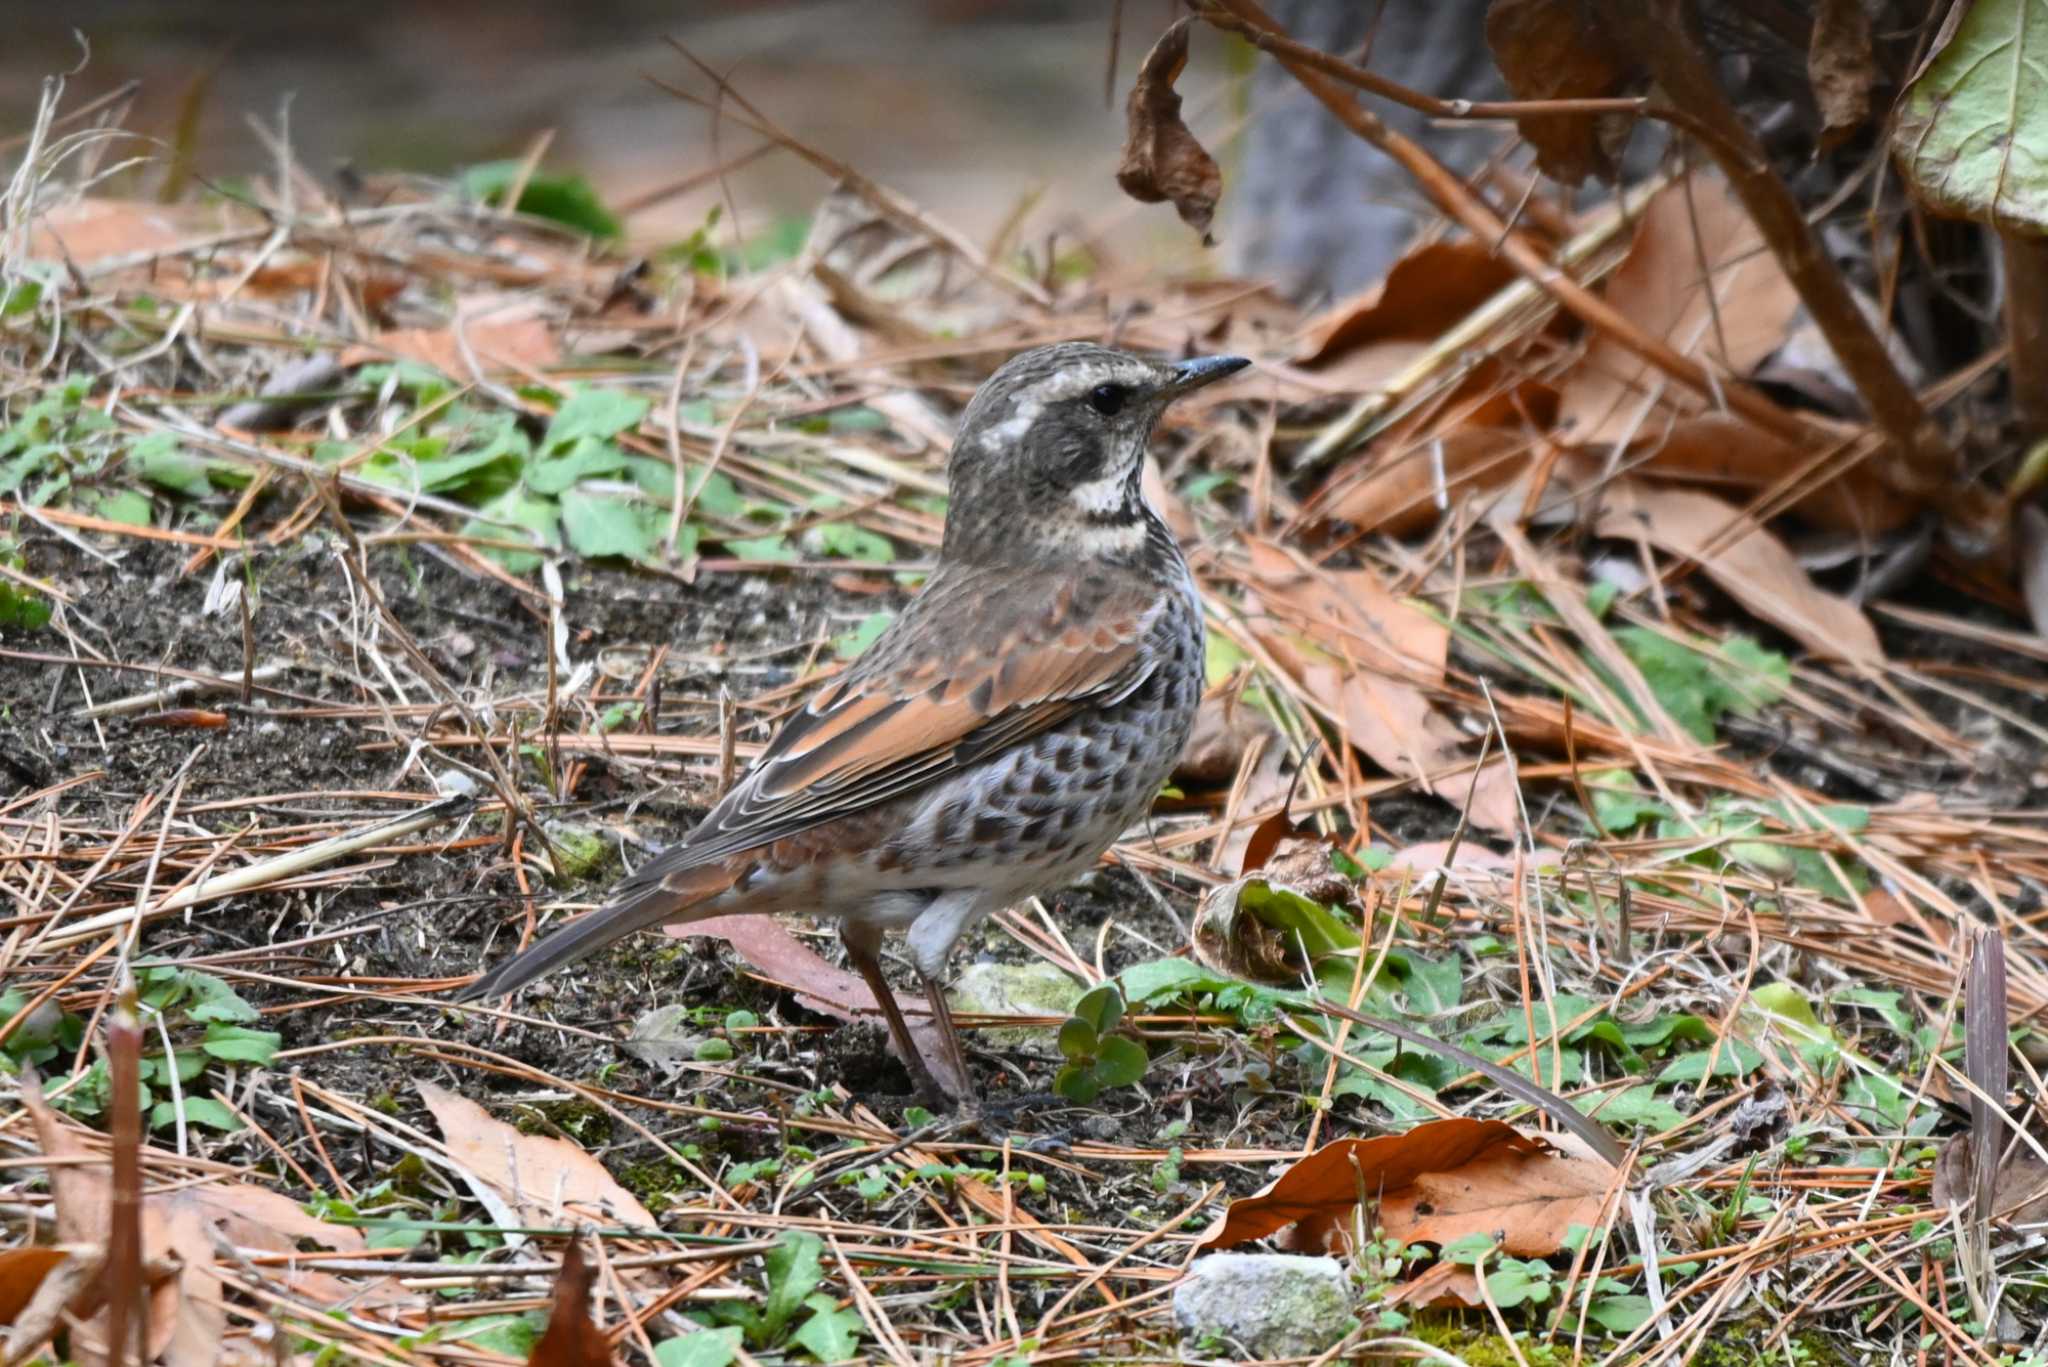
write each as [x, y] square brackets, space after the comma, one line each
[22, 1271]
[1317, 1194]
[1526, 1199]
[1722, 449]
[75, 1286]
[543, 1180]
[1431, 855]
[1367, 657]
[257, 1217]
[514, 344]
[1401, 494]
[1226, 728]
[572, 1340]
[1660, 288]
[1162, 160]
[1425, 293]
[1843, 68]
[1752, 566]
[86, 232]
[784, 960]
[191, 1303]
[1552, 50]
[1443, 1285]
[2019, 1193]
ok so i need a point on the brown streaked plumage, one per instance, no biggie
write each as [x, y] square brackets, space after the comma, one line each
[1015, 719]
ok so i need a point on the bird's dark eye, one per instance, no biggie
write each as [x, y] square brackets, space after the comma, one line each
[1107, 399]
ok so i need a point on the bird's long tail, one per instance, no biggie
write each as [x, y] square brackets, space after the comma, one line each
[683, 895]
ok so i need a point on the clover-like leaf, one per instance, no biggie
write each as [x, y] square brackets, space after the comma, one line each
[1078, 1039]
[1102, 1008]
[1076, 1084]
[1119, 1061]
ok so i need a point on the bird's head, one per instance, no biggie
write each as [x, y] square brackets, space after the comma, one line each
[1051, 450]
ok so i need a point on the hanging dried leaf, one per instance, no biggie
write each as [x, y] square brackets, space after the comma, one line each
[1843, 68]
[1552, 50]
[1162, 160]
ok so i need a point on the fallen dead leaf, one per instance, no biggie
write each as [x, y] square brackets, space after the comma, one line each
[1752, 566]
[1431, 855]
[514, 344]
[1423, 295]
[783, 959]
[1442, 1285]
[1661, 287]
[572, 1340]
[2019, 1193]
[1367, 658]
[1162, 160]
[1527, 1200]
[1317, 1194]
[1552, 50]
[1842, 66]
[1723, 450]
[87, 232]
[21, 1272]
[1410, 484]
[540, 1179]
[187, 1306]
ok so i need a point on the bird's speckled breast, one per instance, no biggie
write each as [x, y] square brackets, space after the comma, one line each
[1039, 815]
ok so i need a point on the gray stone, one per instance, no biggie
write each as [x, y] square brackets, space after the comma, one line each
[1265, 1305]
[1033, 989]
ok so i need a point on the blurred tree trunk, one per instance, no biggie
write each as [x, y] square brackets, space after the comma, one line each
[1319, 211]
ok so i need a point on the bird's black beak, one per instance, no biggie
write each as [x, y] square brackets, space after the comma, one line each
[1192, 375]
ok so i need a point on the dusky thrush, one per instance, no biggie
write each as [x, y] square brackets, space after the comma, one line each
[1017, 717]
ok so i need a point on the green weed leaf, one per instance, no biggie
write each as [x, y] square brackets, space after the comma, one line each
[592, 412]
[239, 1044]
[1119, 1061]
[599, 524]
[794, 1271]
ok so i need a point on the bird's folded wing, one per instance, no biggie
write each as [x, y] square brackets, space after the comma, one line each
[968, 670]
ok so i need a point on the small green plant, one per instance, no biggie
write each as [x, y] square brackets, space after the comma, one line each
[1096, 1058]
[21, 607]
[203, 1018]
[793, 1312]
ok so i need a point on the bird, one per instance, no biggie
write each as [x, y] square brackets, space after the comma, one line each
[1017, 717]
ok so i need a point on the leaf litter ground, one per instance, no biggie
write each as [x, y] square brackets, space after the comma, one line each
[1720, 901]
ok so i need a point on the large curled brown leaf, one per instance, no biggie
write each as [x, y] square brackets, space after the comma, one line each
[1752, 565]
[1692, 231]
[1552, 50]
[534, 1179]
[1162, 160]
[1436, 1182]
